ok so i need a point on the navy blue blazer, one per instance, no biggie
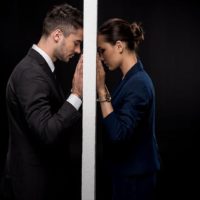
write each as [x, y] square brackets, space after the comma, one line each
[131, 146]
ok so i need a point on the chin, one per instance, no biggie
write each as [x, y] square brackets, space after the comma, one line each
[111, 68]
[67, 59]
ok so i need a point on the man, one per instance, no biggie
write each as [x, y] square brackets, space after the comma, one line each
[40, 116]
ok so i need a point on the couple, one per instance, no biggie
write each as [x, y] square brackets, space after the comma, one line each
[41, 117]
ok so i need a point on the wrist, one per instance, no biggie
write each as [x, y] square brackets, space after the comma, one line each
[105, 98]
[76, 93]
[104, 95]
[102, 92]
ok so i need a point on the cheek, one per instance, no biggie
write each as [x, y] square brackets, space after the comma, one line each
[63, 47]
[108, 56]
[68, 46]
[112, 59]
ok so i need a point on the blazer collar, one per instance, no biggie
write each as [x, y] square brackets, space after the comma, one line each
[133, 70]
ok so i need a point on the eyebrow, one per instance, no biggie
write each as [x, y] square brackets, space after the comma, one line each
[80, 41]
[99, 48]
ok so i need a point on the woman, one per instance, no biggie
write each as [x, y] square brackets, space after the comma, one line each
[129, 115]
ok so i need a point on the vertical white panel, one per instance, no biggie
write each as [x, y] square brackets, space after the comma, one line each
[89, 99]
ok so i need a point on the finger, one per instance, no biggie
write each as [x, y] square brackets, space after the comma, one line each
[79, 65]
[81, 58]
[99, 64]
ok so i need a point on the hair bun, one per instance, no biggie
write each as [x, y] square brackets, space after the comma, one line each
[137, 31]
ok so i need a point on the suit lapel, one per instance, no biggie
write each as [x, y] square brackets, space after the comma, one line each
[50, 76]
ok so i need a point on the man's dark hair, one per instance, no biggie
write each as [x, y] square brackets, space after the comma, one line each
[63, 17]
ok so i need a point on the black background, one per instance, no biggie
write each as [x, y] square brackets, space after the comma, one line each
[170, 54]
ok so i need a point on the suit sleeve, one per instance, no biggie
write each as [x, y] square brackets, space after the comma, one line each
[122, 123]
[34, 93]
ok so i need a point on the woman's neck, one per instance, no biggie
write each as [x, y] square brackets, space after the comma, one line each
[128, 61]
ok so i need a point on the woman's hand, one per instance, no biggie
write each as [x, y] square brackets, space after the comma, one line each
[100, 80]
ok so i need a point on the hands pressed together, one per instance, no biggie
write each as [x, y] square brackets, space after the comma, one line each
[77, 83]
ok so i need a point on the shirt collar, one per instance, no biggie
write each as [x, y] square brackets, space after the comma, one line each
[45, 56]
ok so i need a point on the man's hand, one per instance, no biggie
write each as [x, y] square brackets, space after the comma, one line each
[77, 83]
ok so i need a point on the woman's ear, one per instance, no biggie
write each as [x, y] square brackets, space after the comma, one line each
[120, 46]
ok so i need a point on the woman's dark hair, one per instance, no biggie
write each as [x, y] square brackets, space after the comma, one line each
[118, 29]
[63, 17]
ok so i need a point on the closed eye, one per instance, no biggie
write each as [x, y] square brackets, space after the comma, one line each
[76, 43]
[101, 51]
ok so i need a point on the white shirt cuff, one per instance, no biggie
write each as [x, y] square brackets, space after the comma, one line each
[75, 101]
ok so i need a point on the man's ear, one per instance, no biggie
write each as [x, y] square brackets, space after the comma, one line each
[120, 46]
[57, 34]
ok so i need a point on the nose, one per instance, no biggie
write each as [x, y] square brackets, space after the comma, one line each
[78, 49]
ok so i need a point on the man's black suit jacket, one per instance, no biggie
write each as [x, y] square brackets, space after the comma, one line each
[40, 121]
